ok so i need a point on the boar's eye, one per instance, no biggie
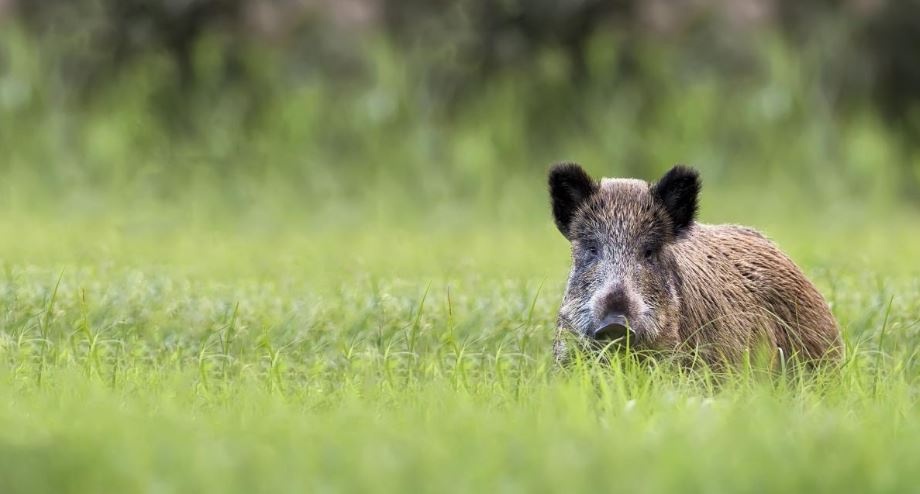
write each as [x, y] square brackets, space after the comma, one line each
[590, 249]
[649, 254]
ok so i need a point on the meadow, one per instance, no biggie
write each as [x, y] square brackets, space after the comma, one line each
[360, 296]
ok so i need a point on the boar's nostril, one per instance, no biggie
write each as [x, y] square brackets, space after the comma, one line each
[614, 302]
[612, 327]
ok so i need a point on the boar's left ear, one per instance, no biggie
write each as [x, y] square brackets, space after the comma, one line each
[677, 191]
[569, 187]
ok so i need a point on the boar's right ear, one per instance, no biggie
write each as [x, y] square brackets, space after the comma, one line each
[569, 187]
[677, 191]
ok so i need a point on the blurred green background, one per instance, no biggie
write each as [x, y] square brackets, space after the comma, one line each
[261, 117]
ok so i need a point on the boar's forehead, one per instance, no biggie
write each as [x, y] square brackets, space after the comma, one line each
[621, 210]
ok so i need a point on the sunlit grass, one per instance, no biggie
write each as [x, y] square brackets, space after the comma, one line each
[139, 374]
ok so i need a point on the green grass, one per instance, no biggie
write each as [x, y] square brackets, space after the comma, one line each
[196, 360]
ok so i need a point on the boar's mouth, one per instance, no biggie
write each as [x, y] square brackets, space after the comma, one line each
[613, 328]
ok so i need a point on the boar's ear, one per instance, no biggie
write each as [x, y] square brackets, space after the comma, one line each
[677, 191]
[569, 187]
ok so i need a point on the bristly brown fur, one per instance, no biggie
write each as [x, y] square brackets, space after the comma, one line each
[715, 291]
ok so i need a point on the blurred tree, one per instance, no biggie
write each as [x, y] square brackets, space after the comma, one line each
[114, 33]
[892, 38]
[502, 33]
[485, 36]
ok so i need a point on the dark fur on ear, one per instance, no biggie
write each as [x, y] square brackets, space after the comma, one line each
[569, 187]
[678, 192]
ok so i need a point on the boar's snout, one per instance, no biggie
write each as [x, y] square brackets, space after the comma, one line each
[611, 310]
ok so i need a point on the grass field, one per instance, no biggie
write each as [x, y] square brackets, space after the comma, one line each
[168, 357]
